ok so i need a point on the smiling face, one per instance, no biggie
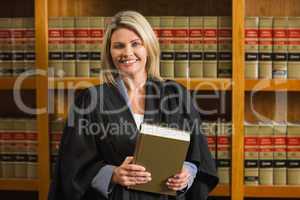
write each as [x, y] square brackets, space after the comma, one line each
[128, 53]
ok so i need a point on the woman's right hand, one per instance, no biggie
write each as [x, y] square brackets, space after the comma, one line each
[130, 174]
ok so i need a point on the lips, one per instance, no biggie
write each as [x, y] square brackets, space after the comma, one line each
[128, 61]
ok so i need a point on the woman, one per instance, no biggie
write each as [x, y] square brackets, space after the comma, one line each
[95, 158]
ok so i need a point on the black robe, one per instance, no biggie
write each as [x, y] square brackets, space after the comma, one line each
[111, 138]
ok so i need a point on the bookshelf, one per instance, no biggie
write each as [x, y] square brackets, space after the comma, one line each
[37, 88]
[9, 83]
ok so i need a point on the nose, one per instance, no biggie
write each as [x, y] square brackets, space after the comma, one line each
[128, 51]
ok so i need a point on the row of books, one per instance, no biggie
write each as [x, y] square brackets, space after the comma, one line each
[272, 46]
[18, 148]
[190, 46]
[272, 154]
[17, 46]
[219, 143]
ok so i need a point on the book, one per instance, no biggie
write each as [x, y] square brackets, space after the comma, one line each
[293, 154]
[209, 130]
[251, 47]
[265, 46]
[29, 35]
[32, 148]
[5, 47]
[280, 47]
[196, 47]
[293, 71]
[155, 150]
[154, 21]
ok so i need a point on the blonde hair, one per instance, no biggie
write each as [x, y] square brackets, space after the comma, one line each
[136, 22]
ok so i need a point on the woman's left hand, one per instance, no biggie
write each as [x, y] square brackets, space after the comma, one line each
[179, 181]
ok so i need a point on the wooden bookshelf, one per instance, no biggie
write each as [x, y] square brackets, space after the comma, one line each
[221, 190]
[272, 85]
[10, 83]
[273, 191]
[19, 185]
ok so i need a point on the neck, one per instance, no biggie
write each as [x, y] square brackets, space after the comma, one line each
[134, 83]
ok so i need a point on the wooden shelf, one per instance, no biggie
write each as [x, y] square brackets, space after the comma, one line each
[273, 191]
[8, 83]
[222, 190]
[19, 185]
[272, 85]
[192, 84]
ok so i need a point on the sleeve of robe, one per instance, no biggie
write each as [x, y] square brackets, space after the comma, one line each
[78, 161]
[198, 153]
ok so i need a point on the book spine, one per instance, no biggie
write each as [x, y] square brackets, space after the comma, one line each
[280, 175]
[29, 35]
[181, 47]
[251, 47]
[265, 46]
[265, 155]
[69, 54]
[196, 47]
[7, 150]
[5, 47]
[251, 154]
[82, 46]
[55, 137]
[2, 131]
[154, 21]
[210, 47]
[223, 153]
[18, 47]
[209, 130]
[280, 47]
[31, 138]
[166, 41]
[224, 47]
[294, 48]
[20, 148]
[293, 155]
[96, 26]
[55, 47]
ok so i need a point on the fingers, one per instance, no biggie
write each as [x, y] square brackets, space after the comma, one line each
[179, 181]
[128, 160]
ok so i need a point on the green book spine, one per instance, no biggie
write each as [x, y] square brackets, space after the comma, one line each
[7, 149]
[210, 47]
[224, 47]
[32, 148]
[265, 47]
[251, 47]
[280, 47]
[29, 35]
[196, 47]
[5, 47]
[294, 48]
[293, 154]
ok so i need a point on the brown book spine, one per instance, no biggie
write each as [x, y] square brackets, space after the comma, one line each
[5, 47]
[265, 142]
[69, 54]
[196, 47]
[293, 154]
[280, 175]
[166, 41]
[265, 46]
[251, 150]
[280, 47]
[210, 47]
[224, 47]
[82, 37]
[96, 26]
[294, 48]
[181, 47]
[251, 47]
[55, 47]
[32, 154]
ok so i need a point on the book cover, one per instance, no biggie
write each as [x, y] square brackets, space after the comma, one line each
[96, 26]
[280, 131]
[55, 47]
[224, 152]
[181, 47]
[18, 46]
[251, 47]
[29, 35]
[32, 148]
[196, 47]
[251, 150]
[5, 47]
[69, 54]
[224, 47]
[265, 142]
[210, 47]
[265, 46]
[280, 47]
[294, 48]
[293, 154]
[155, 150]
[82, 46]
[166, 42]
